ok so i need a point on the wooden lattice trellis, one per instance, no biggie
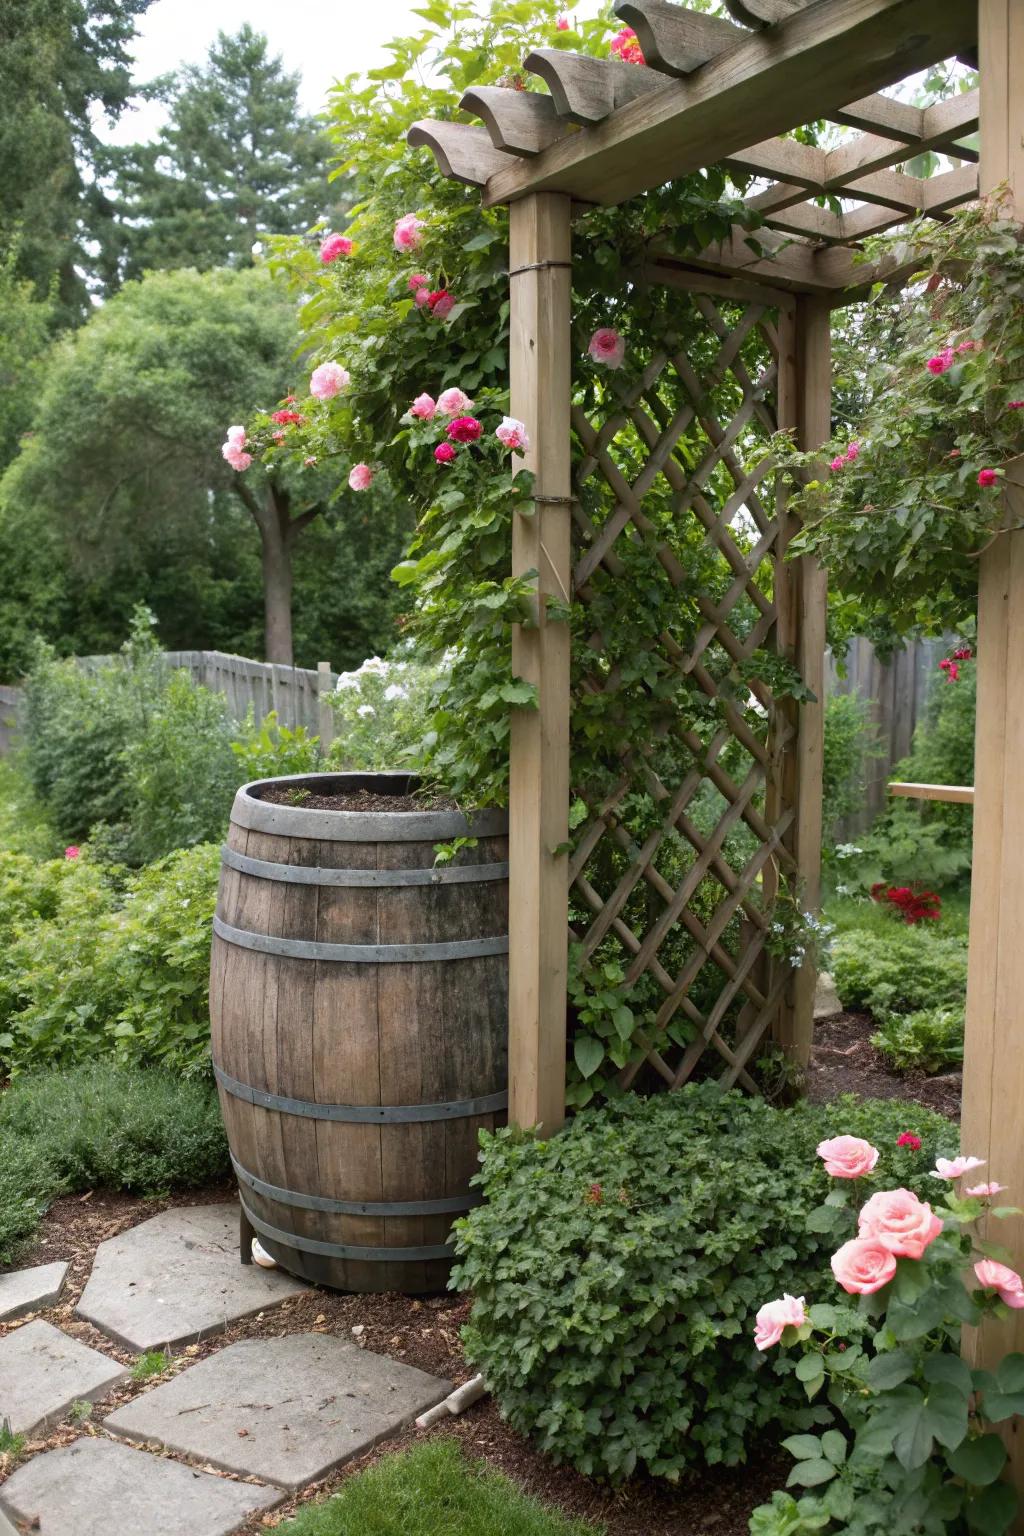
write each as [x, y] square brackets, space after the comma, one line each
[684, 428]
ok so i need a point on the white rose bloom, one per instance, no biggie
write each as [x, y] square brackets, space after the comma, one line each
[395, 691]
[347, 680]
[365, 710]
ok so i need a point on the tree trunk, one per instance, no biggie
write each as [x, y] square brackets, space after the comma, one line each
[277, 591]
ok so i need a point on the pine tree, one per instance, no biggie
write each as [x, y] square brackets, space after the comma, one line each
[60, 61]
[236, 159]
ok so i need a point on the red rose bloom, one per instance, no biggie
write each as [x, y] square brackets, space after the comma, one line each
[285, 418]
[464, 429]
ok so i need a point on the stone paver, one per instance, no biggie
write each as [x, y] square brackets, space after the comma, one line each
[286, 1409]
[27, 1290]
[826, 998]
[177, 1278]
[43, 1371]
[98, 1488]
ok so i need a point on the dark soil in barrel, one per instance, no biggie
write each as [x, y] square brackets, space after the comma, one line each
[359, 800]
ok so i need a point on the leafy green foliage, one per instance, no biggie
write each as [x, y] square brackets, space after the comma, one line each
[102, 962]
[899, 526]
[236, 159]
[432, 1490]
[382, 713]
[908, 1444]
[850, 740]
[102, 1126]
[926, 1040]
[616, 1269]
[900, 970]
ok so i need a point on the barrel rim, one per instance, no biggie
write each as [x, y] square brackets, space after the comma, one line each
[257, 815]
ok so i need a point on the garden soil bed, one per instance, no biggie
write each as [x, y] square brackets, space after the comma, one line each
[358, 800]
[845, 1061]
[425, 1332]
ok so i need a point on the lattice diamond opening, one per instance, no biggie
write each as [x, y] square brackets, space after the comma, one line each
[684, 838]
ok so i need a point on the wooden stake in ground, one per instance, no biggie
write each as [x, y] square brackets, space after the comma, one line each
[539, 279]
[993, 1056]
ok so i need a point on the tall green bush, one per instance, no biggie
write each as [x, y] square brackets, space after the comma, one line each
[849, 740]
[616, 1269]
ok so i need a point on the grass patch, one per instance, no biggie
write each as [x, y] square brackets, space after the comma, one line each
[101, 1126]
[153, 1363]
[432, 1491]
[859, 914]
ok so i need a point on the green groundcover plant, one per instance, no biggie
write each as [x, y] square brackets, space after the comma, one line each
[102, 1126]
[904, 1439]
[899, 971]
[616, 1269]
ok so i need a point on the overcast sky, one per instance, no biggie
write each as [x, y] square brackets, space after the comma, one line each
[321, 39]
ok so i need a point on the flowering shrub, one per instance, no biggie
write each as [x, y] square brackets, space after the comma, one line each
[900, 522]
[616, 1269]
[912, 906]
[903, 1439]
[382, 712]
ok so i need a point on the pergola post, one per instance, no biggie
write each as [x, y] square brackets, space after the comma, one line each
[993, 1126]
[805, 405]
[541, 384]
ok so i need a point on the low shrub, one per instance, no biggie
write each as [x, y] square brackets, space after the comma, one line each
[616, 1269]
[899, 970]
[105, 961]
[102, 1126]
[927, 1040]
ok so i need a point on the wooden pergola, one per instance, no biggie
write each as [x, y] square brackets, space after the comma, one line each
[722, 92]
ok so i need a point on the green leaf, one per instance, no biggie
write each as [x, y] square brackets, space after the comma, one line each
[945, 1414]
[803, 1447]
[809, 1367]
[1010, 1373]
[811, 1474]
[993, 1511]
[588, 1054]
[998, 1406]
[951, 1369]
[978, 1461]
[889, 1370]
[833, 1443]
[822, 1219]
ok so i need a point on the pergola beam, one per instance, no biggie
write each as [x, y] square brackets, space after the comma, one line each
[805, 66]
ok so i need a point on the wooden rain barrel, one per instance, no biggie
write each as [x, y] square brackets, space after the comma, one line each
[359, 1007]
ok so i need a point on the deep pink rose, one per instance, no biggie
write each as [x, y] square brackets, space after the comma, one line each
[418, 280]
[908, 1139]
[847, 1157]
[562, 24]
[335, 246]
[444, 453]
[837, 463]
[408, 232]
[424, 407]
[607, 347]
[1015, 405]
[900, 1222]
[360, 477]
[441, 303]
[863, 1265]
[853, 453]
[328, 380]
[941, 361]
[72, 851]
[464, 429]
[987, 477]
[775, 1317]
[999, 1277]
[626, 45]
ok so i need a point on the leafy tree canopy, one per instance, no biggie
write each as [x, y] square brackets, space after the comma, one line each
[236, 159]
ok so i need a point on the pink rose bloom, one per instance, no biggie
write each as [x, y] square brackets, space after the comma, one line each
[360, 477]
[418, 280]
[562, 24]
[998, 1277]
[408, 232]
[441, 303]
[607, 347]
[464, 429]
[236, 457]
[444, 453]
[512, 433]
[452, 402]
[941, 361]
[627, 47]
[424, 407]
[852, 453]
[847, 1157]
[900, 1222]
[335, 246]
[236, 437]
[955, 1167]
[72, 851]
[1016, 405]
[863, 1265]
[984, 1191]
[328, 380]
[775, 1317]
[967, 346]
[987, 477]
[421, 297]
[837, 463]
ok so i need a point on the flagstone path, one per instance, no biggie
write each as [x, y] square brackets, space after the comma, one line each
[278, 1412]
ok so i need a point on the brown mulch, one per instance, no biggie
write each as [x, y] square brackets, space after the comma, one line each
[845, 1061]
[357, 800]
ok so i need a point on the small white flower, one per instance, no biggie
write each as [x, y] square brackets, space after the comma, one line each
[395, 691]
[365, 710]
[374, 666]
[347, 680]
[257, 247]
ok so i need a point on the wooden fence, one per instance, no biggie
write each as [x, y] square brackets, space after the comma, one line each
[298, 694]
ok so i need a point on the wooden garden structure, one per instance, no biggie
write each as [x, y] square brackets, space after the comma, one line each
[717, 91]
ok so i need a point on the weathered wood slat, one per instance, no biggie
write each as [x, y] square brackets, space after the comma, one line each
[676, 40]
[462, 152]
[586, 90]
[519, 122]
